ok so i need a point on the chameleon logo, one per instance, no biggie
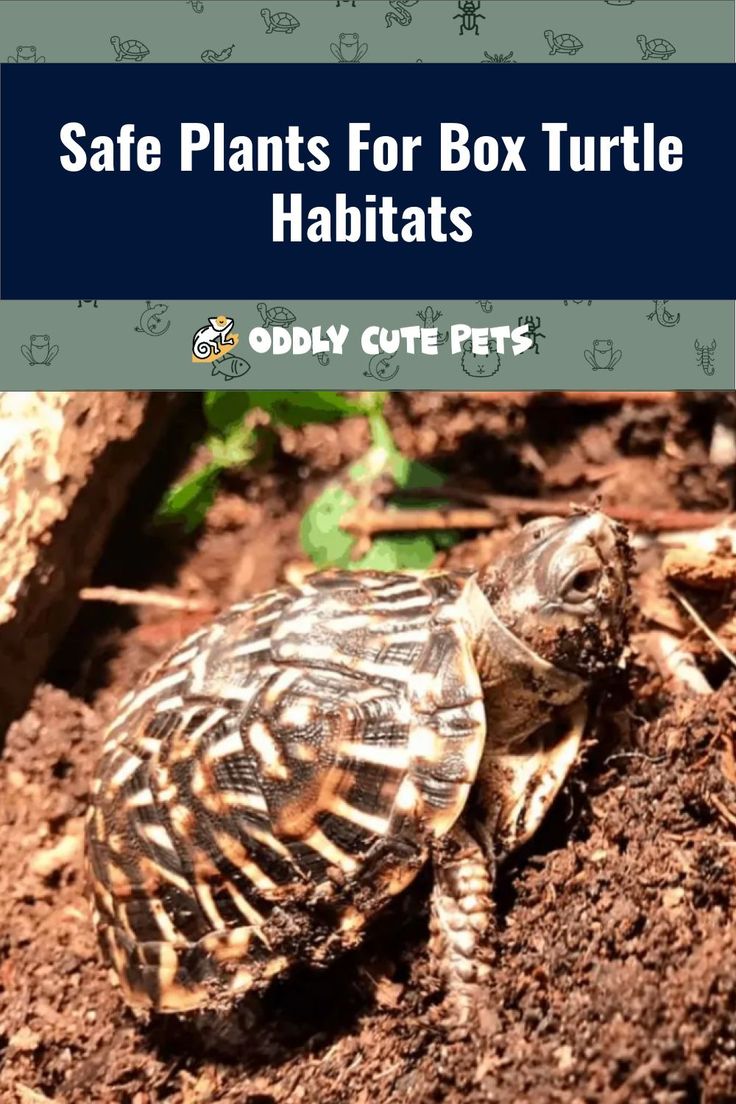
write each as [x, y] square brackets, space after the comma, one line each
[214, 340]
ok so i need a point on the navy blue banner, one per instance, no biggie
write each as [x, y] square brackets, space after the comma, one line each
[632, 232]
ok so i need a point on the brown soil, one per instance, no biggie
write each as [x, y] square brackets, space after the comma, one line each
[616, 956]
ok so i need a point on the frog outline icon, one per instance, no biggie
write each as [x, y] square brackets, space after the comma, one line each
[25, 55]
[40, 350]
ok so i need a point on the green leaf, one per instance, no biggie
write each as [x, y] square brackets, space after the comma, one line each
[320, 534]
[408, 474]
[444, 538]
[233, 444]
[236, 448]
[381, 434]
[413, 475]
[326, 543]
[225, 409]
[299, 408]
[188, 502]
[399, 552]
[369, 467]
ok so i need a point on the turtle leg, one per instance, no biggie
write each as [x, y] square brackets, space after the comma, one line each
[460, 922]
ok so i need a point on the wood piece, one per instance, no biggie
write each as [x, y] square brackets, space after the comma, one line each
[728, 814]
[675, 662]
[697, 568]
[501, 507]
[396, 521]
[67, 461]
[576, 398]
[123, 596]
[704, 627]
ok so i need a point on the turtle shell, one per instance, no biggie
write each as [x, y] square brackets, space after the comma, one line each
[284, 19]
[277, 778]
[660, 46]
[133, 48]
[568, 42]
[281, 315]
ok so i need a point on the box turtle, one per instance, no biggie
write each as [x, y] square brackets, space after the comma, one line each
[659, 48]
[287, 770]
[279, 21]
[563, 43]
[276, 316]
[130, 50]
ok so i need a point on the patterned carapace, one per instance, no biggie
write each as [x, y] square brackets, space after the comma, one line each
[286, 770]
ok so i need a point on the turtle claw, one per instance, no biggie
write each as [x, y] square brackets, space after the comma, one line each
[469, 1013]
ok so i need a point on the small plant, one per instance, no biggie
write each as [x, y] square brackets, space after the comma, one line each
[235, 440]
[323, 534]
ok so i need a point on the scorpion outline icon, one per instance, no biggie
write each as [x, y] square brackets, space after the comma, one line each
[705, 356]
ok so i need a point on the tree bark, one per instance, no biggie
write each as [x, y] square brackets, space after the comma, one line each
[67, 461]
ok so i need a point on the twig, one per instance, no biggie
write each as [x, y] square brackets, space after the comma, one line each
[576, 398]
[728, 763]
[393, 521]
[642, 397]
[712, 636]
[498, 507]
[634, 755]
[727, 814]
[675, 662]
[122, 597]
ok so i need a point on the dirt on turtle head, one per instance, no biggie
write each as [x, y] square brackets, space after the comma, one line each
[561, 588]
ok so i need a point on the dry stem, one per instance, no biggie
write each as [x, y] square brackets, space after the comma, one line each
[123, 597]
[675, 662]
[499, 507]
[712, 636]
[577, 398]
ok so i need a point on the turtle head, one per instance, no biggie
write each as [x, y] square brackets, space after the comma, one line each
[560, 586]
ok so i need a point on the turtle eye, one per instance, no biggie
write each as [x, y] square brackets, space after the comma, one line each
[542, 527]
[581, 585]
